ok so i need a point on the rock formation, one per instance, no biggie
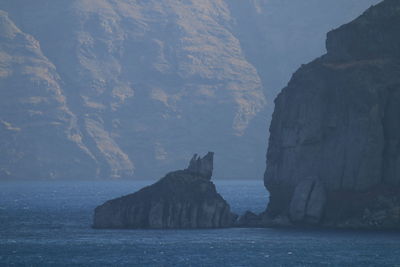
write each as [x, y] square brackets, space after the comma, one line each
[202, 166]
[334, 148]
[184, 199]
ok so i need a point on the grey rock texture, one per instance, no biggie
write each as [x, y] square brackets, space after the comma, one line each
[308, 202]
[147, 82]
[35, 121]
[185, 199]
[202, 166]
[338, 121]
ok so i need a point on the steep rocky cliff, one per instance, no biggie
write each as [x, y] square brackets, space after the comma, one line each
[334, 148]
[185, 199]
[35, 122]
[147, 82]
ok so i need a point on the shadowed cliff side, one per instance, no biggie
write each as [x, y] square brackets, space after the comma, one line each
[184, 199]
[334, 148]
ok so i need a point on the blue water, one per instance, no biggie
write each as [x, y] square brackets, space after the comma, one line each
[48, 224]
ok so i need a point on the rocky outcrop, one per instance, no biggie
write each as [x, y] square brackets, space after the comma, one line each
[184, 199]
[337, 122]
[202, 166]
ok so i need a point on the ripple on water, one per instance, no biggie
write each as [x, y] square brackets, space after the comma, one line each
[48, 224]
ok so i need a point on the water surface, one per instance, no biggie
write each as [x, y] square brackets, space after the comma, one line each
[48, 224]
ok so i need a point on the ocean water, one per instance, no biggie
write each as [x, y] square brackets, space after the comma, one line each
[48, 224]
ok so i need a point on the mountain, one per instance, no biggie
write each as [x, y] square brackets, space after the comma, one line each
[35, 123]
[334, 156]
[135, 86]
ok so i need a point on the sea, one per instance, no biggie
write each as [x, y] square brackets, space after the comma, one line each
[49, 224]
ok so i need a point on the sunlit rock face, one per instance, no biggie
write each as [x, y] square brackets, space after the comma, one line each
[35, 121]
[338, 122]
[147, 82]
[185, 199]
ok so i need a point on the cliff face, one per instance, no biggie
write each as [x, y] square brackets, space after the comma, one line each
[143, 78]
[147, 82]
[185, 199]
[35, 122]
[334, 148]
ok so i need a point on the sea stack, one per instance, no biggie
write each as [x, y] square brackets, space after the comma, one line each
[334, 149]
[184, 199]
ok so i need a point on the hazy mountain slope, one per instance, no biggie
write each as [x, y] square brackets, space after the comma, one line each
[35, 123]
[148, 75]
[152, 81]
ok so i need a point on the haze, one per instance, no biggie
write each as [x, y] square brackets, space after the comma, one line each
[132, 89]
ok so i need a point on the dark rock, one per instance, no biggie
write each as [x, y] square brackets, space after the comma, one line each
[316, 203]
[202, 166]
[338, 120]
[249, 219]
[262, 220]
[184, 199]
[308, 202]
[300, 199]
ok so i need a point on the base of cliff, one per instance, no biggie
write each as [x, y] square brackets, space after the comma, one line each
[374, 209]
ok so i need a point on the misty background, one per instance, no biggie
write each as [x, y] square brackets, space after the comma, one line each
[131, 89]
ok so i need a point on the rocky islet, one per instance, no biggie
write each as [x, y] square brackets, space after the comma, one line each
[184, 199]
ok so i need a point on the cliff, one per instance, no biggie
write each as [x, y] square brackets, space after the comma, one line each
[334, 147]
[35, 121]
[184, 199]
[146, 82]
[142, 79]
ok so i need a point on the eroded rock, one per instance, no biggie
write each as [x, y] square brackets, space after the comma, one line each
[202, 166]
[184, 199]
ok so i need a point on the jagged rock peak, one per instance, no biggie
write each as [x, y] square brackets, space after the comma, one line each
[202, 166]
[182, 199]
